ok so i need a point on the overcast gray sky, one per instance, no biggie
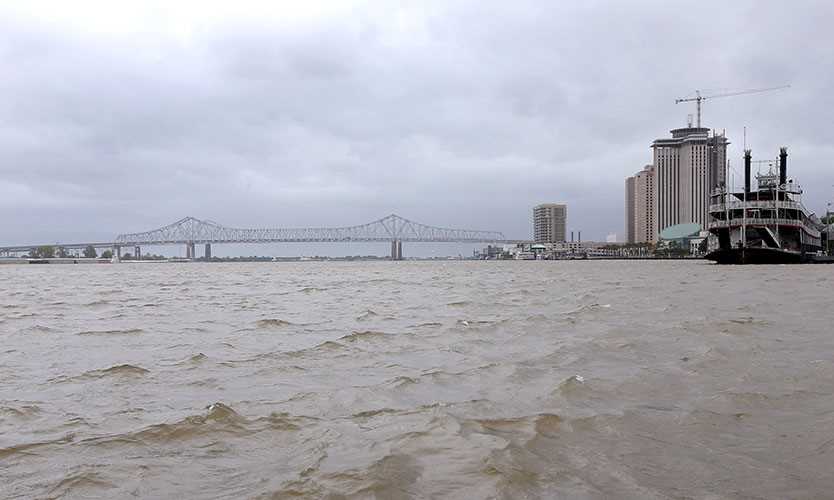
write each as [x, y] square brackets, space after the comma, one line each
[125, 116]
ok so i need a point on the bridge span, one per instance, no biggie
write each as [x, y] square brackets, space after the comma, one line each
[192, 232]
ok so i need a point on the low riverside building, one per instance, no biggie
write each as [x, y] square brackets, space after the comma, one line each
[493, 252]
[686, 237]
[559, 251]
[827, 235]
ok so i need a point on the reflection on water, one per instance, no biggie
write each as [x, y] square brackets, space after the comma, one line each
[424, 380]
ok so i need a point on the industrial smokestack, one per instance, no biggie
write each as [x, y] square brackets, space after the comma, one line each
[747, 158]
[783, 166]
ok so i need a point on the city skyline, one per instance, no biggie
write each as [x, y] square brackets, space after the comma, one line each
[127, 118]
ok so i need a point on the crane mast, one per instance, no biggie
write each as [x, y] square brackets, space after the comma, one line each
[699, 98]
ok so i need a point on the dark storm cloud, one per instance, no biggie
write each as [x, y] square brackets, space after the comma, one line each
[455, 114]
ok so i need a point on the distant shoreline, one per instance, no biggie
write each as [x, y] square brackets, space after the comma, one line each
[81, 261]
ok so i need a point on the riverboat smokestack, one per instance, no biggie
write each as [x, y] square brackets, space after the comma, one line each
[747, 158]
[783, 166]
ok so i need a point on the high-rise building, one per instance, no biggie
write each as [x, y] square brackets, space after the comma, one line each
[549, 222]
[687, 168]
[640, 219]
[629, 209]
[644, 219]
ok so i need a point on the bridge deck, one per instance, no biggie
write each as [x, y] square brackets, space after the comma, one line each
[190, 231]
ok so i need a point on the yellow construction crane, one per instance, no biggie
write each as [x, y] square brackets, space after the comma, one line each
[698, 98]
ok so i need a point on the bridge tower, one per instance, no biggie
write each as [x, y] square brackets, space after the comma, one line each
[396, 250]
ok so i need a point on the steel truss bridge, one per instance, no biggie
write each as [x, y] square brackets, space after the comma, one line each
[191, 232]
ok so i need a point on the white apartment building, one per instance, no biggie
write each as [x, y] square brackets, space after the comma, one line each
[550, 222]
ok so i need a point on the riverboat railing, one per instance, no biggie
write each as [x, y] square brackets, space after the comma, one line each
[756, 221]
[738, 205]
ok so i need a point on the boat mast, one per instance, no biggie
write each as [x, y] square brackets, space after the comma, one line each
[783, 184]
[747, 159]
[725, 188]
[727, 200]
[744, 196]
[775, 191]
[778, 240]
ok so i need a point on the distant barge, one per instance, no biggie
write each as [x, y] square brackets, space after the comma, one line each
[766, 226]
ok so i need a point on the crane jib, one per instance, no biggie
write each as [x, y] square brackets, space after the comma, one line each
[698, 97]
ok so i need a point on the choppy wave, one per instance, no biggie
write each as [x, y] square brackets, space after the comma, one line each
[572, 386]
[474, 322]
[128, 331]
[123, 371]
[39, 329]
[588, 308]
[197, 358]
[430, 324]
[525, 427]
[99, 304]
[424, 380]
[365, 316]
[20, 412]
[31, 448]
[21, 315]
[329, 347]
[402, 381]
[81, 483]
[364, 336]
[217, 420]
[272, 323]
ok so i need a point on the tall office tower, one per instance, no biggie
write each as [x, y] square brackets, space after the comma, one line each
[687, 168]
[640, 219]
[549, 222]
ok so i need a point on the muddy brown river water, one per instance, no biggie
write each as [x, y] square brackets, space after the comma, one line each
[455, 380]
